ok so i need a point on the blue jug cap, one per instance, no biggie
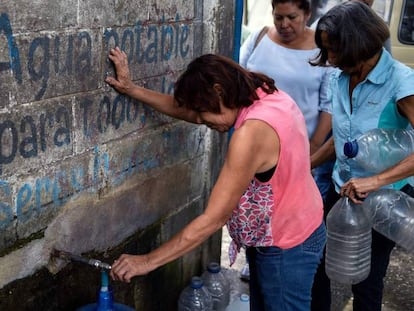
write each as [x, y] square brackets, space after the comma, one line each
[213, 267]
[351, 149]
[196, 282]
[244, 297]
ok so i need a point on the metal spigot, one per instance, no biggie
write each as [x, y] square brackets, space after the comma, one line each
[92, 262]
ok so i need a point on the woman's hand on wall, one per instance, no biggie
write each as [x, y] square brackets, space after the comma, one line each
[122, 82]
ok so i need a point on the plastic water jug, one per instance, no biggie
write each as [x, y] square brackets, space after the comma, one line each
[392, 213]
[348, 245]
[195, 297]
[217, 285]
[105, 298]
[379, 149]
[241, 303]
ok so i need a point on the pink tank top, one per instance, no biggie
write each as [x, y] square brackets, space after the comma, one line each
[287, 209]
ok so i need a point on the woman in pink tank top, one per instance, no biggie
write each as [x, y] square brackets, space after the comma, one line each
[265, 191]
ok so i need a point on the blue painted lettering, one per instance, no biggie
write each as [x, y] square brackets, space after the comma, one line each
[6, 213]
[42, 70]
[14, 63]
[31, 133]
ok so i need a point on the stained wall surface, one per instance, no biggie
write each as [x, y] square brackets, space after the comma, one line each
[86, 170]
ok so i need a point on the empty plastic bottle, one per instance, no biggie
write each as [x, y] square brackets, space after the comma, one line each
[348, 245]
[241, 303]
[217, 285]
[195, 297]
[379, 149]
[392, 213]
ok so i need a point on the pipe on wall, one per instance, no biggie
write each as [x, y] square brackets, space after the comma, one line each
[237, 29]
[238, 20]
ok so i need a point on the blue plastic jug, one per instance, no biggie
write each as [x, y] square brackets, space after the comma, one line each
[105, 298]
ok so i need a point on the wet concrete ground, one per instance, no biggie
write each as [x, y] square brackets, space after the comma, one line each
[399, 282]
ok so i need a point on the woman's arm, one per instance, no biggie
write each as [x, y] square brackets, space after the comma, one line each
[163, 103]
[324, 125]
[246, 49]
[246, 156]
[325, 153]
[321, 132]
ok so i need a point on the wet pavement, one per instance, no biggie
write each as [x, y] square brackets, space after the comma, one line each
[398, 291]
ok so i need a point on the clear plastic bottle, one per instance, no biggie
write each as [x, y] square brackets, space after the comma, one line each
[379, 149]
[241, 303]
[195, 297]
[348, 245]
[217, 285]
[392, 213]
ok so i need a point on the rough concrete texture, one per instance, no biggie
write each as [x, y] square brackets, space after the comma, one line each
[86, 170]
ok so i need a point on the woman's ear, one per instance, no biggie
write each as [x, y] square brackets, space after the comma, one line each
[219, 90]
[308, 16]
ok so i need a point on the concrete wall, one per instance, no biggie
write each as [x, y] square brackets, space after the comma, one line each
[85, 170]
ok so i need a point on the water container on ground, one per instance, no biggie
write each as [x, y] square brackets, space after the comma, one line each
[217, 285]
[195, 297]
[241, 303]
[105, 298]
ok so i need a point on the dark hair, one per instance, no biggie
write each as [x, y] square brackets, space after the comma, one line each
[195, 88]
[304, 5]
[355, 33]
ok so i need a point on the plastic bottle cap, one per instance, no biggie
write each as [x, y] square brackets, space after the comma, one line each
[244, 297]
[351, 149]
[213, 267]
[196, 282]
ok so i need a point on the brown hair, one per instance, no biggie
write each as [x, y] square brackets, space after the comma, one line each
[196, 89]
[355, 32]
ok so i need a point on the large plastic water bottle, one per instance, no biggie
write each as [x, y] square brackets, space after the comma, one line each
[195, 297]
[392, 213]
[241, 303]
[379, 149]
[348, 245]
[105, 298]
[217, 285]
